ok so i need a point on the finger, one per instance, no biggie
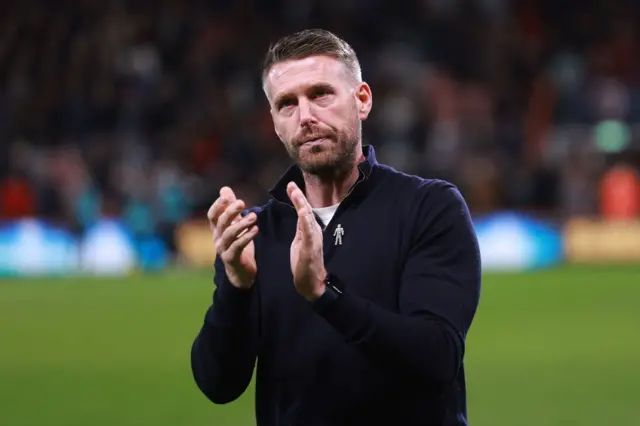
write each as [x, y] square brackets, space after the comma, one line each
[298, 199]
[306, 219]
[236, 230]
[235, 249]
[226, 197]
[291, 186]
[304, 230]
[226, 192]
[216, 210]
[229, 214]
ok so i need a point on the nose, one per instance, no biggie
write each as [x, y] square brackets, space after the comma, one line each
[305, 111]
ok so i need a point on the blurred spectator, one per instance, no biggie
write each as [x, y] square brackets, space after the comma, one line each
[17, 199]
[620, 193]
[144, 109]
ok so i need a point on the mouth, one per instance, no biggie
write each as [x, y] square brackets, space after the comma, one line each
[314, 141]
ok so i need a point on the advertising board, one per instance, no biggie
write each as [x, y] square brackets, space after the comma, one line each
[602, 241]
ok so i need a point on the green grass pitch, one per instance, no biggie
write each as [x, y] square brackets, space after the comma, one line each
[553, 348]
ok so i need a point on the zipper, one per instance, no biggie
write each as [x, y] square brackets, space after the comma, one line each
[340, 206]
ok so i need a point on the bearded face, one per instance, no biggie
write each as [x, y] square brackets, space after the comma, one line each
[317, 112]
[319, 149]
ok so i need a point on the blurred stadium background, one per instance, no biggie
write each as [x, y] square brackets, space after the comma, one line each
[120, 120]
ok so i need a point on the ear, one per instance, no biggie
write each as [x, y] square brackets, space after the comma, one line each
[364, 100]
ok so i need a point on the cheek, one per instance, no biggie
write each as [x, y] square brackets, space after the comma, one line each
[335, 118]
[283, 130]
[342, 118]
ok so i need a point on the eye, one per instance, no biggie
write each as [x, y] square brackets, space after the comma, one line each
[284, 103]
[319, 92]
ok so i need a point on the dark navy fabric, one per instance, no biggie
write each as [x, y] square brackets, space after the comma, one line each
[390, 350]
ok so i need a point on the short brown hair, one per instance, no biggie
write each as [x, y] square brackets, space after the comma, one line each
[305, 43]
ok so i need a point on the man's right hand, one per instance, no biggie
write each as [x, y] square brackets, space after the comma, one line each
[233, 236]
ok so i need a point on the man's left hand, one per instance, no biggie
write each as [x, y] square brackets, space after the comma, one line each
[307, 258]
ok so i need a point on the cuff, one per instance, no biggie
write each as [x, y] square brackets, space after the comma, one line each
[231, 305]
[347, 314]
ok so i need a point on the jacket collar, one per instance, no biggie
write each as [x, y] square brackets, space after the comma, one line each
[293, 173]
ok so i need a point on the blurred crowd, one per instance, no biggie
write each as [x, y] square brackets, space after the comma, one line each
[143, 109]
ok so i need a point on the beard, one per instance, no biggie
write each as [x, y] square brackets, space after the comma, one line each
[334, 155]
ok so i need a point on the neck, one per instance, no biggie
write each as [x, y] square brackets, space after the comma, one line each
[325, 191]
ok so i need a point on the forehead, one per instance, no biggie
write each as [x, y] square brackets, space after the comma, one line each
[292, 75]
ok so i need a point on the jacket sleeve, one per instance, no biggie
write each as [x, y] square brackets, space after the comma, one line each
[439, 295]
[224, 352]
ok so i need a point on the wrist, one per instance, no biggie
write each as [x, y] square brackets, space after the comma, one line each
[241, 283]
[318, 288]
[317, 292]
[332, 291]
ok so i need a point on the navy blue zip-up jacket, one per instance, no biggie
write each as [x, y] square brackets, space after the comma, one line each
[390, 350]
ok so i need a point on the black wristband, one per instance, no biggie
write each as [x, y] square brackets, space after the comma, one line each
[333, 291]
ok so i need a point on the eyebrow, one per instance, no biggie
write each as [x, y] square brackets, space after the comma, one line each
[326, 86]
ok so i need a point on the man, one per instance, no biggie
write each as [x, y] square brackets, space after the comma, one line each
[355, 285]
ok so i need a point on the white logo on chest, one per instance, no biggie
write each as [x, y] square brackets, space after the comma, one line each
[338, 234]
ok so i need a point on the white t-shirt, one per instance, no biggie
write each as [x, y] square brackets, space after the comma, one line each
[326, 213]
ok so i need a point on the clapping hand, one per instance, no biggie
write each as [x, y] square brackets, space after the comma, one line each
[233, 236]
[307, 258]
